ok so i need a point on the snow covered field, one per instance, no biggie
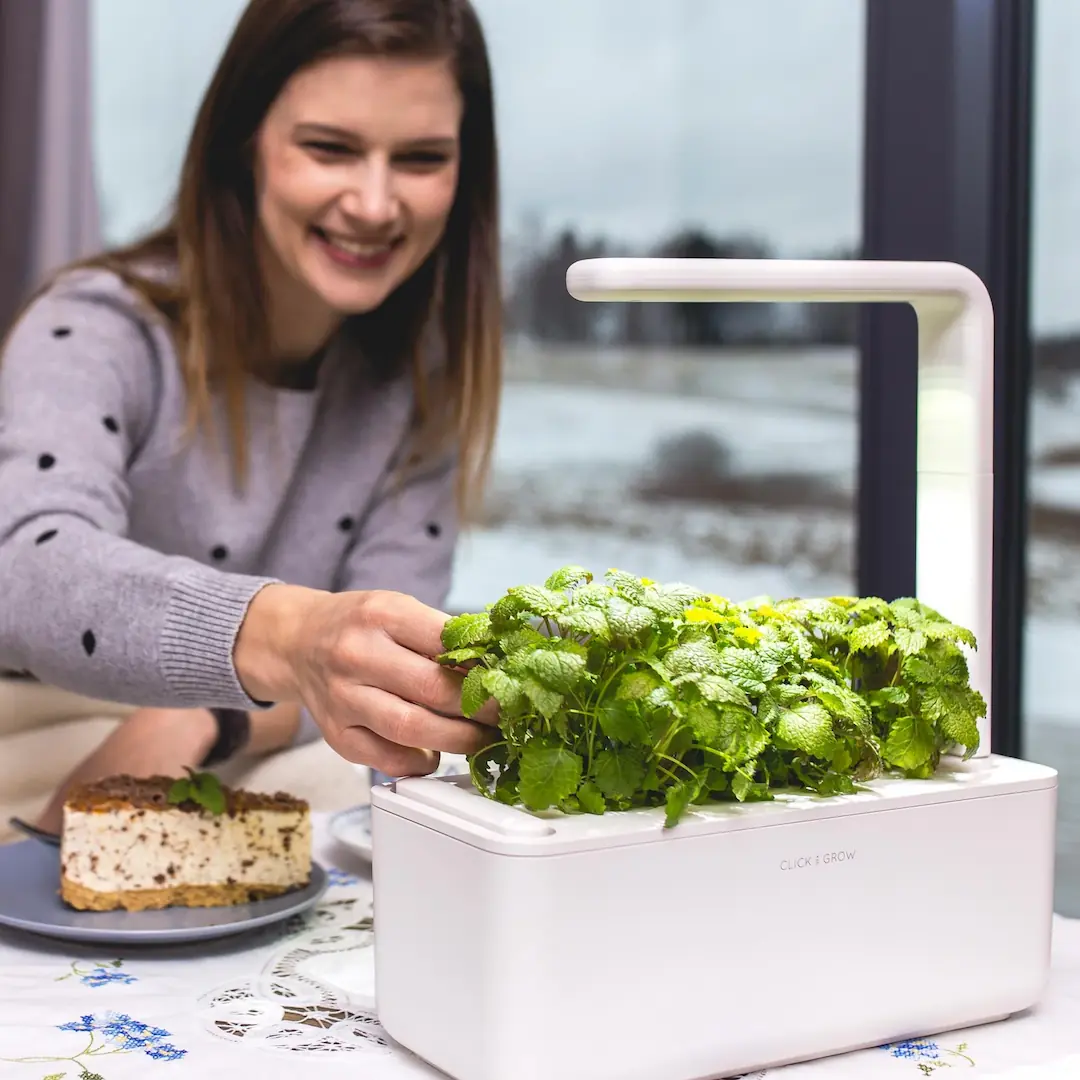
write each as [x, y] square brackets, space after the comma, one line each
[573, 455]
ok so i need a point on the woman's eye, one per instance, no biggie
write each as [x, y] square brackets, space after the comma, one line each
[424, 159]
[330, 149]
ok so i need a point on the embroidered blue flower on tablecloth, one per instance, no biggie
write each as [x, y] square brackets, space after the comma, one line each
[915, 1050]
[125, 1033]
[341, 879]
[928, 1056]
[103, 977]
[101, 973]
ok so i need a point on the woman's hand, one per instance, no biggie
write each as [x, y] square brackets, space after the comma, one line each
[362, 663]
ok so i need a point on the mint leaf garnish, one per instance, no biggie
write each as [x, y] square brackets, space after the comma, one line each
[204, 789]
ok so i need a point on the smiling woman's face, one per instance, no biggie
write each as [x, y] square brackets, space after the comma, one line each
[356, 171]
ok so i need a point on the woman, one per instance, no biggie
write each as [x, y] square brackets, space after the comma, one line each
[234, 455]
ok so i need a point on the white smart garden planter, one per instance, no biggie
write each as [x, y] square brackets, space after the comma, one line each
[520, 946]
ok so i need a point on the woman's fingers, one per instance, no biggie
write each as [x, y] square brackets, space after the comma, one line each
[421, 681]
[409, 725]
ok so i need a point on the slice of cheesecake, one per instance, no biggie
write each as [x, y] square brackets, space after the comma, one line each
[124, 844]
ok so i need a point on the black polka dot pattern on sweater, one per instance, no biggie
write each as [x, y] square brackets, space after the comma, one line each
[46, 461]
[434, 529]
[346, 524]
[111, 424]
[89, 642]
[220, 553]
[61, 331]
[46, 536]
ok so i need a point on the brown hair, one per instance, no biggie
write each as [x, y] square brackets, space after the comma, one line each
[214, 304]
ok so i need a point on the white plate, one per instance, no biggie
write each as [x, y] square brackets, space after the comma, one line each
[352, 829]
[30, 901]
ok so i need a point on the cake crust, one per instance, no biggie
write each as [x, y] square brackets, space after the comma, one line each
[188, 896]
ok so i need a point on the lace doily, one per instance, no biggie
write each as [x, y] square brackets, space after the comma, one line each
[315, 995]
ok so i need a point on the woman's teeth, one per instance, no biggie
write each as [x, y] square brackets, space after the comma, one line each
[354, 247]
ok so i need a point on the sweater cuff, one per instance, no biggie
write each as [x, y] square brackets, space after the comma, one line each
[202, 620]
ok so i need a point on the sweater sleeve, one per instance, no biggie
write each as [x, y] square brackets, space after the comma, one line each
[82, 606]
[407, 538]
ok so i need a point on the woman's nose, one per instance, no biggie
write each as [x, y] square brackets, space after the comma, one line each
[371, 199]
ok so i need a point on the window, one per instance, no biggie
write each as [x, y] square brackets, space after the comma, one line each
[713, 444]
[1052, 634]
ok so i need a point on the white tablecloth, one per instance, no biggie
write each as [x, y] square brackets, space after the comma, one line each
[298, 1002]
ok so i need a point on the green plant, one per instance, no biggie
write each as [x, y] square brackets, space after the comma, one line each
[203, 788]
[626, 693]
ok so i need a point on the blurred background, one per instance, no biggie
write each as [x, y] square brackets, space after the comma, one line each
[744, 448]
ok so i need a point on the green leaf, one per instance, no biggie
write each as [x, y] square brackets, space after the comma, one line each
[721, 691]
[208, 793]
[548, 775]
[540, 601]
[586, 619]
[628, 620]
[871, 636]
[202, 788]
[474, 694]
[506, 690]
[547, 702]
[955, 710]
[835, 783]
[558, 669]
[807, 727]
[622, 721]
[909, 641]
[464, 630]
[669, 600]
[910, 743]
[745, 669]
[741, 785]
[695, 657]
[523, 637]
[889, 695]
[508, 613]
[677, 801]
[592, 801]
[463, 656]
[619, 772]
[594, 593]
[706, 723]
[626, 585]
[567, 577]
[179, 792]
[636, 685]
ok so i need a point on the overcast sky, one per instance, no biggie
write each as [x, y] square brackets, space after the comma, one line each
[744, 116]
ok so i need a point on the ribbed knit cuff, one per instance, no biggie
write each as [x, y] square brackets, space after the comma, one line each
[203, 618]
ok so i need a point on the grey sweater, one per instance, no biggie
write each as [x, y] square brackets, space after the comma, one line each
[128, 557]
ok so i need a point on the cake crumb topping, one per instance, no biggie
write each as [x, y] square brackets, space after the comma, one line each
[152, 793]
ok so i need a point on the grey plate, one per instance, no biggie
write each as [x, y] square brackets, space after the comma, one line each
[30, 900]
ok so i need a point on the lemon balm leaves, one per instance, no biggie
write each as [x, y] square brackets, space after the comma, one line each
[622, 692]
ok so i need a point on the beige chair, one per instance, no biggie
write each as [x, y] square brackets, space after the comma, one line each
[45, 732]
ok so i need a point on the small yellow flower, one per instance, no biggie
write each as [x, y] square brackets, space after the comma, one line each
[702, 615]
[749, 634]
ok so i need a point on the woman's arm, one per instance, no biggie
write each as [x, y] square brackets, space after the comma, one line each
[81, 606]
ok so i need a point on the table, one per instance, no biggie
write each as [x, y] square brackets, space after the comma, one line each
[297, 1001]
